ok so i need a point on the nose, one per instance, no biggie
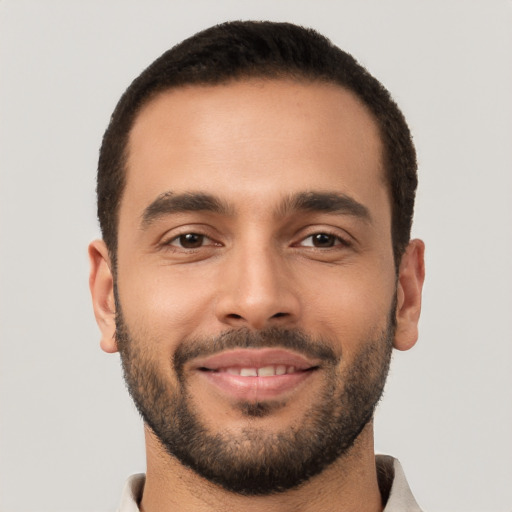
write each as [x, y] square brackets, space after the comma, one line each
[257, 291]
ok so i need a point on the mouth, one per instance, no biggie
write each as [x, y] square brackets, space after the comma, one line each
[256, 374]
[265, 371]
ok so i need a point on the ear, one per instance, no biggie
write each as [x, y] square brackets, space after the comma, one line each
[410, 284]
[101, 284]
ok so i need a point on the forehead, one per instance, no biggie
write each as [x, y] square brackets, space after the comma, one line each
[254, 140]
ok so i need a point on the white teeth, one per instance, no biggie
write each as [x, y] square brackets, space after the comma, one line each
[280, 369]
[266, 371]
[248, 372]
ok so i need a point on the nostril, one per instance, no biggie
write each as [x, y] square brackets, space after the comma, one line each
[278, 315]
[234, 316]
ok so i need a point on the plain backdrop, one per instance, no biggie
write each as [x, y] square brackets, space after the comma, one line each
[69, 435]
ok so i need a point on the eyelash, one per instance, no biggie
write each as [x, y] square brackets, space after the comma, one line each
[170, 245]
[338, 240]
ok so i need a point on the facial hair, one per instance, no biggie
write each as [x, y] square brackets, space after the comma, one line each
[255, 461]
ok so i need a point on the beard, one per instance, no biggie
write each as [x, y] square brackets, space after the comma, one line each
[254, 461]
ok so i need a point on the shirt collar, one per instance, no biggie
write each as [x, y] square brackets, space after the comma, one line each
[132, 493]
[394, 486]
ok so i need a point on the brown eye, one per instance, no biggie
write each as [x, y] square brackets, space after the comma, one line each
[189, 241]
[323, 240]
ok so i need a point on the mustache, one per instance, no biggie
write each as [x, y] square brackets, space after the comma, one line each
[274, 337]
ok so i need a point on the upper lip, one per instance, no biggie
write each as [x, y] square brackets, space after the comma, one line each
[255, 358]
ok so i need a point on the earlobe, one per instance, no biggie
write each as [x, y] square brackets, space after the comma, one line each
[410, 285]
[101, 284]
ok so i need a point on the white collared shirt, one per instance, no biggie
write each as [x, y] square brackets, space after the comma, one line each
[389, 470]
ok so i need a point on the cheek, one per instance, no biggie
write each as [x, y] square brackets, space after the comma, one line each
[166, 302]
[347, 306]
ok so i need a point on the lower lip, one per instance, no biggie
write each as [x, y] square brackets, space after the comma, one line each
[256, 388]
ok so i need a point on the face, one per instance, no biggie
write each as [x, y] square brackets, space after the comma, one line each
[256, 294]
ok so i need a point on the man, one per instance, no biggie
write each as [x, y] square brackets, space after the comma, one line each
[255, 194]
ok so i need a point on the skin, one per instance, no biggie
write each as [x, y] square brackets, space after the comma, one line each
[252, 144]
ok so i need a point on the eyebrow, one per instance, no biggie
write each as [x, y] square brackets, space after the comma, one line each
[169, 203]
[328, 202]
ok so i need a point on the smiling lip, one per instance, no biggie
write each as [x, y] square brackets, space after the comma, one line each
[255, 374]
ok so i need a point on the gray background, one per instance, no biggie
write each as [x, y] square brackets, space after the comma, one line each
[69, 435]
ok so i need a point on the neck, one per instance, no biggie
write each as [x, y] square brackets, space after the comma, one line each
[349, 484]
